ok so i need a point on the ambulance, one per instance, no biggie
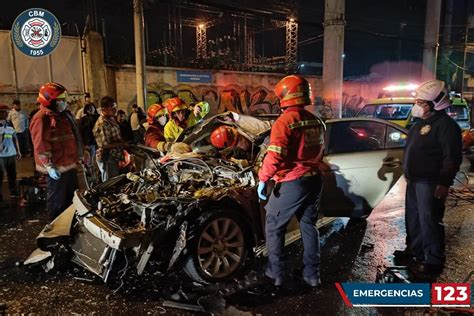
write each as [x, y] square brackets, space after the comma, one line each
[394, 104]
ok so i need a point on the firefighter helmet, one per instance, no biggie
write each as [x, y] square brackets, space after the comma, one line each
[154, 111]
[293, 91]
[224, 136]
[174, 104]
[434, 92]
[49, 92]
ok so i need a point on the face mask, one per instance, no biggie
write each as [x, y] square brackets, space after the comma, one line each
[162, 120]
[62, 105]
[417, 111]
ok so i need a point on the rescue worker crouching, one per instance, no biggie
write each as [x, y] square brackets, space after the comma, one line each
[182, 117]
[433, 155]
[154, 136]
[231, 145]
[57, 147]
[293, 158]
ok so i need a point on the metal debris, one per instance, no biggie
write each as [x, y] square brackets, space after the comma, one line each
[185, 306]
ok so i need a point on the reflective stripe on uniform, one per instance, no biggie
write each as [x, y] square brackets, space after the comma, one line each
[46, 154]
[280, 150]
[305, 123]
[7, 136]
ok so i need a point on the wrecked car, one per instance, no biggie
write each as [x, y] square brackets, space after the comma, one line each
[199, 212]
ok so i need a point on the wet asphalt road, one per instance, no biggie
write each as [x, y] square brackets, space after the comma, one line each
[351, 252]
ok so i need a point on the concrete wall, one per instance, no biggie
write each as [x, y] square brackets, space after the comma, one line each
[241, 92]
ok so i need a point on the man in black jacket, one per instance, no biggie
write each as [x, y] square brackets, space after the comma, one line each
[433, 155]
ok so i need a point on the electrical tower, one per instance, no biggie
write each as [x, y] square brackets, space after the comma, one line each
[291, 42]
[201, 42]
[250, 48]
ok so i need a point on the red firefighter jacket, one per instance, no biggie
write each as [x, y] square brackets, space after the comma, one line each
[296, 146]
[155, 138]
[53, 140]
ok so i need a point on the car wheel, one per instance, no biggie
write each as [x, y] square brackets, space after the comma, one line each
[219, 245]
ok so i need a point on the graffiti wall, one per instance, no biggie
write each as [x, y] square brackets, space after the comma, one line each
[233, 97]
[247, 93]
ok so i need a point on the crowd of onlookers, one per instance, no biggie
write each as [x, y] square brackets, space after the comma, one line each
[16, 142]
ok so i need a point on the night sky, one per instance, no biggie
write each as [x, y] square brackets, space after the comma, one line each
[372, 33]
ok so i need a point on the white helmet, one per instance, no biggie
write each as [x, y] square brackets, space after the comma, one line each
[435, 92]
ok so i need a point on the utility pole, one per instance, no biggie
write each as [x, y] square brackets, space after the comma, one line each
[469, 24]
[333, 54]
[430, 46]
[139, 53]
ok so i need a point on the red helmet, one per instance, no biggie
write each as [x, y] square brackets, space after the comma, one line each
[50, 91]
[224, 136]
[174, 104]
[293, 90]
[155, 110]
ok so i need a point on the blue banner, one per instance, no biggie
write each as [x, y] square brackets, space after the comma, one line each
[193, 76]
[387, 294]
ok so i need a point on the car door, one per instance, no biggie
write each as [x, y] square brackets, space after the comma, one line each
[363, 161]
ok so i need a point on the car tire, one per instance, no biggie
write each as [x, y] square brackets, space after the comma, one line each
[219, 247]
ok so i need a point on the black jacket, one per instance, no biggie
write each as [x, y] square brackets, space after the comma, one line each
[86, 124]
[434, 150]
[126, 131]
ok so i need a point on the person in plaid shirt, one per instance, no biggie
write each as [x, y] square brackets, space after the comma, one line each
[109, 140]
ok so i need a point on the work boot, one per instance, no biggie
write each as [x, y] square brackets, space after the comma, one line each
[403, 254]
[429, 269]
[403, 257]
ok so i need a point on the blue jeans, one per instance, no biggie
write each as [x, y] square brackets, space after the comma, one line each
[108, 169]
[299, 197]
[424, 222]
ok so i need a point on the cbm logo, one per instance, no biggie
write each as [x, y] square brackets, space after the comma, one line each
[36, 32]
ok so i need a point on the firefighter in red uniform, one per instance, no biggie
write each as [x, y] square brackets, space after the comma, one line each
[292, 161]
[57, 147]
[154, 136]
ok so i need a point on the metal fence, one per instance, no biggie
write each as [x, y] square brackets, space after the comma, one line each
[21, 75]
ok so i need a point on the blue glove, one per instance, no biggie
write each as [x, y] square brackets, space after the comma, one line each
[261, 191]
[53, 173]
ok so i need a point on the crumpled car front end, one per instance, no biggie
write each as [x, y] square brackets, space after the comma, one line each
[134, 217]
